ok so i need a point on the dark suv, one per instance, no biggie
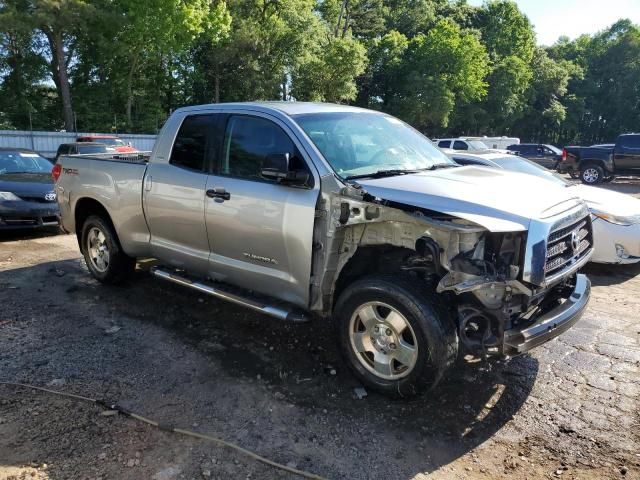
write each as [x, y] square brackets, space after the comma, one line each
[546, 155]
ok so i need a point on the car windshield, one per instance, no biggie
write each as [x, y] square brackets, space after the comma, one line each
[94, 149]
[361, 144]
[477, 145]
[522, 165]
[23, 162]
[114, 142]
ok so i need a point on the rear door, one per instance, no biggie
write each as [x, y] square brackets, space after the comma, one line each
[627, 153]
[260, 231]
[174, 196]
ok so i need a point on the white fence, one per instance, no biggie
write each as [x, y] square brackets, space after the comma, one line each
[46, 143]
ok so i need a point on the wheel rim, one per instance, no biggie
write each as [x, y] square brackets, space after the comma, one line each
[383, 341]
[98, 249]
[590, 175]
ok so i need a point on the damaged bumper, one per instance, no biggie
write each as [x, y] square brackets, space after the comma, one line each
[550, 324]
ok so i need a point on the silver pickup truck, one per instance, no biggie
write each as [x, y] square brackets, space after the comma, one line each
[302, 210]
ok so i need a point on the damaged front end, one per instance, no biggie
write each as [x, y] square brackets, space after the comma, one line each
[508, 291]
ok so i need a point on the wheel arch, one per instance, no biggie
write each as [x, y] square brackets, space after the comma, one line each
[84, 208]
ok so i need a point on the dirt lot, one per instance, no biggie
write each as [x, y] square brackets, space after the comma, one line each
[569, 410]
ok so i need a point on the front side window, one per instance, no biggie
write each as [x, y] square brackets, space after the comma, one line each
[190, 147]
[630, 141]
[363, 143]
[248, 141]
[444, 143]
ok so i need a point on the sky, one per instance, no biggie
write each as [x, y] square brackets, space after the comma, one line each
[553, 18]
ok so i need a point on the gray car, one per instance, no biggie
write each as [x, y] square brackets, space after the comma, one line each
[304, 210]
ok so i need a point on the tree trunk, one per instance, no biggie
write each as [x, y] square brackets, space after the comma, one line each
[134, 65]
[216, 86]
[337, 30]
[60, 78]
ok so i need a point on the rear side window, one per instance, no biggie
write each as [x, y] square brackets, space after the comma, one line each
[460, 145]
[248, 141]
[630, 141]
[191, 144]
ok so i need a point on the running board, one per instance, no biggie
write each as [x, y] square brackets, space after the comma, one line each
[281, 311]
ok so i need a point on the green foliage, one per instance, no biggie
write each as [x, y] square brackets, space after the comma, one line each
[443, 65]
[439, 70]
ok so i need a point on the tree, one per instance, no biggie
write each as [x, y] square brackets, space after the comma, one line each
[328, 74]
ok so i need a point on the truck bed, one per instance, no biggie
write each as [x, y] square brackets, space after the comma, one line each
[113, 180]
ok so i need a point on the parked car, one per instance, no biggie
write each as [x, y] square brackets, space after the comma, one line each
[615, 216]
[301, 210]
[543, 154]
[601, 163]
[461, 144]
[83, 148]
[497, 143]
[111, 140]
[27, 196]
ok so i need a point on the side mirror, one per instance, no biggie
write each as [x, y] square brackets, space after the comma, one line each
[276, 167]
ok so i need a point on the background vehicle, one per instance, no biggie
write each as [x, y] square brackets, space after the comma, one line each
[497, 143]
[616, 216]
[546, 155]
[111, 140]
[27, 196]
[461, 144]
[296, 209]
[83, 148]
[601, 163]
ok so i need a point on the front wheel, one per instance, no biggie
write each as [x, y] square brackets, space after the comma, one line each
[102, 252]
[395, 335]
[591, 174]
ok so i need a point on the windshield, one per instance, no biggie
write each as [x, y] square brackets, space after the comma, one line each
[357, 143]
[23, 162]
[115, 142]
[522, 165]
[477, 145]
[94, 149]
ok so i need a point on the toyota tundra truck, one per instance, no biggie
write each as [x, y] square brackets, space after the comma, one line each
[309, 211]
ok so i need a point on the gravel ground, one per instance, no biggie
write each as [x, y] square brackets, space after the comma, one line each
[568, 410]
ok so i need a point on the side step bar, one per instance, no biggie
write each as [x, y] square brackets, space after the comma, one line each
[281, 311]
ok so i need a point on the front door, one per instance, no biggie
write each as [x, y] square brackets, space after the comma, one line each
[627, 153]
[174, 197]
[260, 231]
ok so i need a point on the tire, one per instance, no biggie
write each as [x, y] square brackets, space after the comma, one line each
[591, 174]
[427, 344]
[102, 252]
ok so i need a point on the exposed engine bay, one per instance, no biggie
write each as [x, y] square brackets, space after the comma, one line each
[478, 272]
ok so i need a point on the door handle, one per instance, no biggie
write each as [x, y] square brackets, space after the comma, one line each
[218, 193]
[148, 183]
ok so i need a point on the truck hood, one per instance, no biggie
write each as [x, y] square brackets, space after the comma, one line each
[498, 200]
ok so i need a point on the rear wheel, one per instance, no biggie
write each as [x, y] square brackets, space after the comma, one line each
[102, 252]
[394, 334]
[591, 174]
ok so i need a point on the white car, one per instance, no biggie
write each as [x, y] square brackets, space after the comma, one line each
[615, 216]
